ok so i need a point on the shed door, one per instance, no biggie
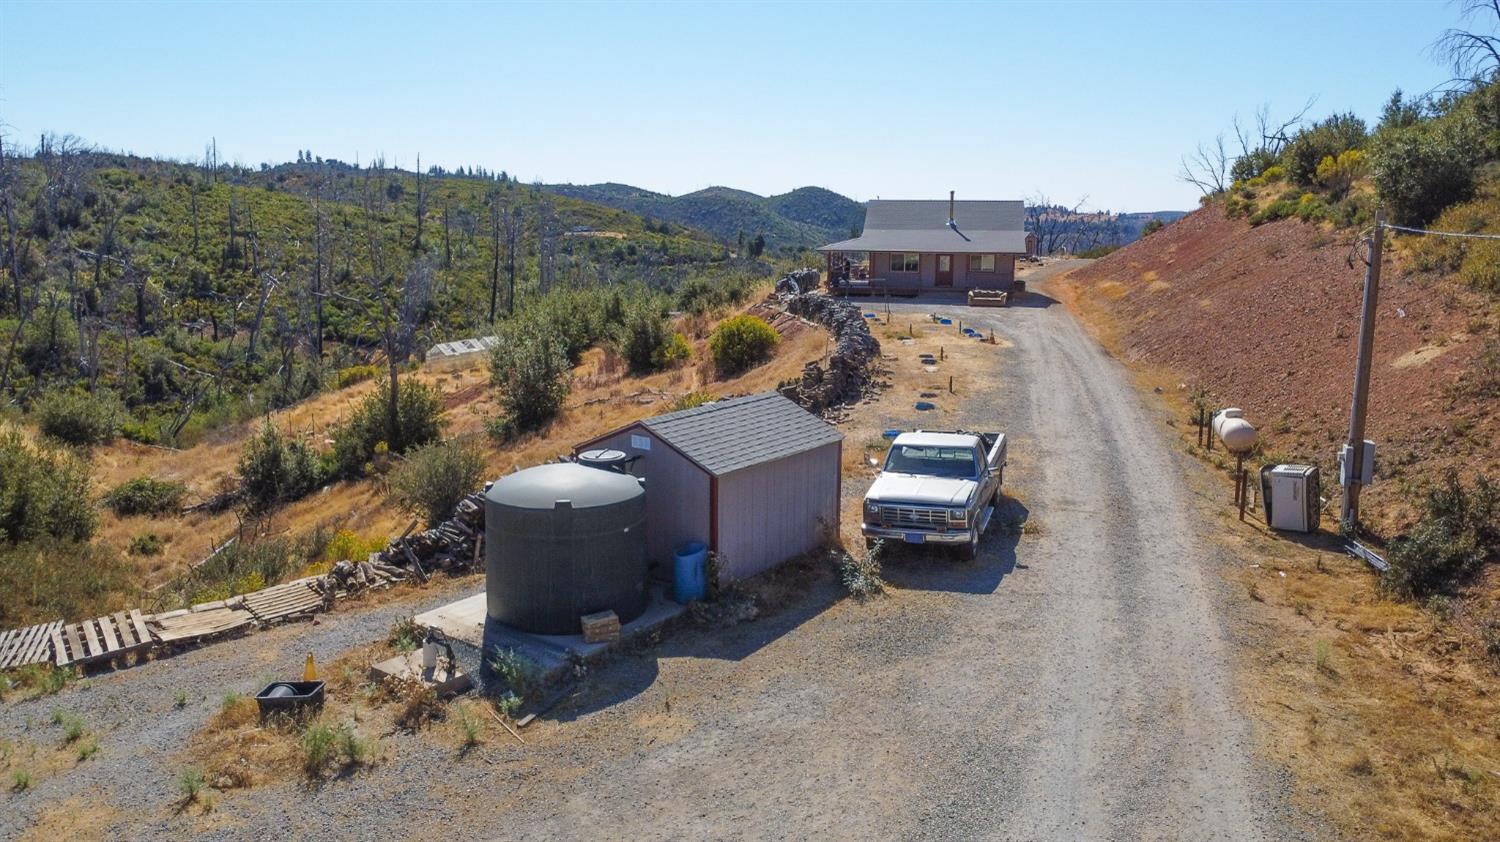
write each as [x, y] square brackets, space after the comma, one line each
[945, 270]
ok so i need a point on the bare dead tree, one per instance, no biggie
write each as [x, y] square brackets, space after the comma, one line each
[1207, 167]
[1268, 135]
[1473, 55]
[9, 187]
[416, 246]
[447, 232]
[546, 256]
[512, 222]
[320, 235]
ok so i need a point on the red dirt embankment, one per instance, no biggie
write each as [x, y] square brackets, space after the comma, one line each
[1267, 319]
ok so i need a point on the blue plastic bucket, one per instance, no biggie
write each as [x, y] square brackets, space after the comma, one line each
[690, 572]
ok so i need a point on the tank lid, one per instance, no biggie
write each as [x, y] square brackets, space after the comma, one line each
[542, 486]
[602, 457]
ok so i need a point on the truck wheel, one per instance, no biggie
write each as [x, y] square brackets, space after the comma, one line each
[971, 549]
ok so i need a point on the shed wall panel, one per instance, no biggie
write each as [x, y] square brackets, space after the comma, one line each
[677, 507]
[774, 511]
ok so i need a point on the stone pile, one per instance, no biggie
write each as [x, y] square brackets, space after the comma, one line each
[798, 281]
[849, 373]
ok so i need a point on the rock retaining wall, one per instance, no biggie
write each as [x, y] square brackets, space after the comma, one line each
[849, 374]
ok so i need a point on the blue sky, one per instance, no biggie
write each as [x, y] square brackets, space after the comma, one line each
[898, 100]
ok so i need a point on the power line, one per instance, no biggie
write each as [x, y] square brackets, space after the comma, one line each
[1441, 233]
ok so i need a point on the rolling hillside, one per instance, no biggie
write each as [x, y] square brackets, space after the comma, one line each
[805, 217]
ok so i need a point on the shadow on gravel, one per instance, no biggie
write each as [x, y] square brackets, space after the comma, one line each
[1033, 299]
[787, 598]
[935, 568]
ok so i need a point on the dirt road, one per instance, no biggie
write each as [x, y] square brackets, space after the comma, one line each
[1072, 683]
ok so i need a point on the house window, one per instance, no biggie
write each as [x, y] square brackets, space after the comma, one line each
[981, 263]
[904, 262]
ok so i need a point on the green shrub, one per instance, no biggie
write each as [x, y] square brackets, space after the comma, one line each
[276, 470]
[355, 374]
[319, 742]
[190, 783]
[1329, 137]
[1421, 169]
[355, 442]
[642, 337]
[530, 367]
[674, 351]
[146, 544]
[43, 493]
[697, 397]
[740, 342]
[1151, 227]
[432, 479]
[1459, 532]
[1338, 173]
[145, 496]
[514, 673]
[79, 418]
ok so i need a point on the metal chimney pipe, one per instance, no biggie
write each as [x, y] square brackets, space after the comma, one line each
[950, 207]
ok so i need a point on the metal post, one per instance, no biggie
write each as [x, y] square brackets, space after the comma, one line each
[1350, 516]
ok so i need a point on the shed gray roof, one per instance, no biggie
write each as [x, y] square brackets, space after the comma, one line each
[727, 436]
[922, 225]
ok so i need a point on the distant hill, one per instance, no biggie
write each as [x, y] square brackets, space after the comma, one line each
[805, 217]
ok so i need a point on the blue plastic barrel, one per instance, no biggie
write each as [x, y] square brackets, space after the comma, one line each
[690, 572]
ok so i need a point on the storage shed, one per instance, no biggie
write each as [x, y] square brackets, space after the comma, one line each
[756, 478]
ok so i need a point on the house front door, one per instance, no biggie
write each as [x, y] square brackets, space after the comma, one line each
[945, 270]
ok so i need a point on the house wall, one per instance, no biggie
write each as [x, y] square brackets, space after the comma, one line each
[777, 510]
[926, 276]
[677, 494]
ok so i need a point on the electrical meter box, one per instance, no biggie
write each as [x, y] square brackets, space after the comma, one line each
[1366, 465]
[1292, 496]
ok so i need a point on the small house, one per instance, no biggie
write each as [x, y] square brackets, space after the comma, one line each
[755, 478]
[921, 245]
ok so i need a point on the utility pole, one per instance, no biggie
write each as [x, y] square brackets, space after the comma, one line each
[1350, 516]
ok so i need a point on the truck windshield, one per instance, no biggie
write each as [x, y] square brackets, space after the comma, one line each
[951, 462]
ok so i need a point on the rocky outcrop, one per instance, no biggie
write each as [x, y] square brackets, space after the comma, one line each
[848, 374]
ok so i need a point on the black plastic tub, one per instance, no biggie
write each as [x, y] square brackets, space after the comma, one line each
[289, 697]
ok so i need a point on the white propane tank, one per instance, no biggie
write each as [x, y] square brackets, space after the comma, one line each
[1237, 434]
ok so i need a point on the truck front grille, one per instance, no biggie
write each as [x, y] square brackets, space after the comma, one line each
[925, 518]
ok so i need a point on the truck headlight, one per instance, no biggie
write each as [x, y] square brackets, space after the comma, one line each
[872, 508]
[958, 517]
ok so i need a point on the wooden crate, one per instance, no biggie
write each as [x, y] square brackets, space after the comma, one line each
[101, 638]
[31, 645]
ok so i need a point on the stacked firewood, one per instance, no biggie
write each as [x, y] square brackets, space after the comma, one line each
[453, 545]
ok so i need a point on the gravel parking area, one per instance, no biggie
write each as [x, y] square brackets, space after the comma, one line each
[1072, 683]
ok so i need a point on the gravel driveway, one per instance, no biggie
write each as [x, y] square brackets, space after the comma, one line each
[1070, 684]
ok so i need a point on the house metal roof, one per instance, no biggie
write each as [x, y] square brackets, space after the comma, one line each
[921, 225]
[730, 435]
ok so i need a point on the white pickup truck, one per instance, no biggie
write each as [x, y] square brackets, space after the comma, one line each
[936, 488]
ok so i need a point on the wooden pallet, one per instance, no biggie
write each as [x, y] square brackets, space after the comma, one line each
[198, 623]
[101, 638]
[31, 645]
[282, 602]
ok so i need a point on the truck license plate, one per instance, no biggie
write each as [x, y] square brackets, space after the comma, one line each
[916, 537]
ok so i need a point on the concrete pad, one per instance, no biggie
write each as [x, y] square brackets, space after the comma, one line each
[409, 666]
[467, 626]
